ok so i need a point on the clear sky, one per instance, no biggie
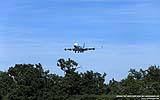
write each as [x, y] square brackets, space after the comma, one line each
[37, 31]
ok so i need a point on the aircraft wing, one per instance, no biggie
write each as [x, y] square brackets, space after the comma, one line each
[70, 49]
[85, 49]
[78, 50]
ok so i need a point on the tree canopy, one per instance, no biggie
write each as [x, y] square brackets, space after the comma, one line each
[32, 82]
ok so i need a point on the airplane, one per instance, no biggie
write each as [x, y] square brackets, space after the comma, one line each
[78, 49]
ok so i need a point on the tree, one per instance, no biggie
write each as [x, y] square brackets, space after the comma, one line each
[67, 66]
[92, 83]
[71, 80]
[31, 82]
[6, 84]
[142, 82]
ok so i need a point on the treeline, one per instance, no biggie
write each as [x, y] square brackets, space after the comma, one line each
[32, 82]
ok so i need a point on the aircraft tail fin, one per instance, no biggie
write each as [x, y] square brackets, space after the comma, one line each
[83, 45]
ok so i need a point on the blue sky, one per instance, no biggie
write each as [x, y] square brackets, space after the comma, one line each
[34, 31]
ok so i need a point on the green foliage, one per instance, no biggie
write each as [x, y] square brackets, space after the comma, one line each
[143, 82]
[32, 82]
[92, 83]
[67, 66]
